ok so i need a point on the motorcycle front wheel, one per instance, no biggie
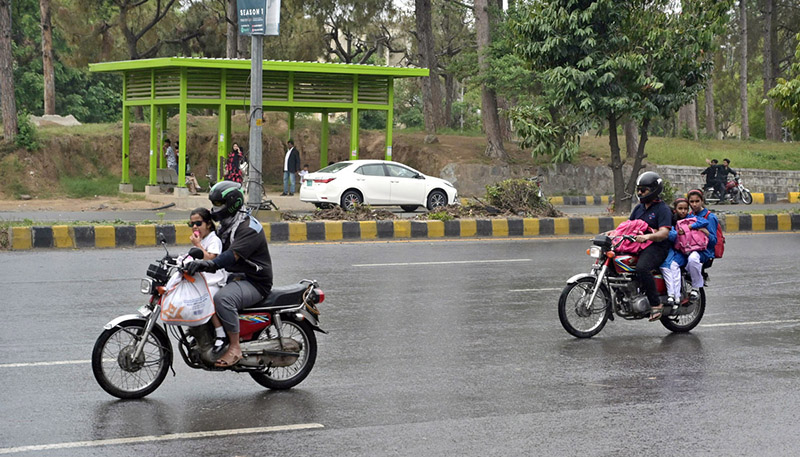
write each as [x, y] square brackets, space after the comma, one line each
[683, 323]
[746, 197]
[281, 378]
[114, 367]
[576, 319]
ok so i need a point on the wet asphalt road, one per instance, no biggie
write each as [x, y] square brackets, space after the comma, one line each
[446, 348]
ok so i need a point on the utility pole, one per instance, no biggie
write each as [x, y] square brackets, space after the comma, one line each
[255, 186]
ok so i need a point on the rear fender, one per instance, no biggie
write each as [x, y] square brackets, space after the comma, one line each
[303, 314]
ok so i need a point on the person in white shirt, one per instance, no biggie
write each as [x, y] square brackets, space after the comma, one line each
[291, 167]
[303, 173]
[204, 237]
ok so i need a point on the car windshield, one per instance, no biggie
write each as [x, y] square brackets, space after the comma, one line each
[333, 168]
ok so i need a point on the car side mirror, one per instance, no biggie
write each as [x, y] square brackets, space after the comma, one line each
[419, 176]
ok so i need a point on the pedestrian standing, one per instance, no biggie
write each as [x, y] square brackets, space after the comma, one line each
[291, 167]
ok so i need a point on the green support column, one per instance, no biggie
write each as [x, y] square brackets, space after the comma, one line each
[291, 125]
[229, 141]
[182, 132]
[390, 120]
[126, 142]
[222, 143]
[323, 144]
[162, 114]
[153, 144]
[354, 121]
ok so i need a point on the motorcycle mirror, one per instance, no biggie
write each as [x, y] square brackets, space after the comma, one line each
[162, 239]
[196, 253]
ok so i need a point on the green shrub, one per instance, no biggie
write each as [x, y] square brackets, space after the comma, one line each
[516, 196]
[28, 136]
[440, 216]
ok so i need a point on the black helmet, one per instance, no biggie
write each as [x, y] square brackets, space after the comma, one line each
[652, 181]
[227, 199]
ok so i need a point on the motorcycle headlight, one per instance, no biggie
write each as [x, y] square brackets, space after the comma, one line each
[595, 252]
[147, 286]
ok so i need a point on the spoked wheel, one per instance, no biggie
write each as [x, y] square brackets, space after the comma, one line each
[573, 313]
[122, 375]
[746, 197]
[689, 316]
[286, 377]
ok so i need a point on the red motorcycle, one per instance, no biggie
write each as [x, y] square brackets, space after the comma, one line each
[132, 356]
[589, 300]
[735, 192]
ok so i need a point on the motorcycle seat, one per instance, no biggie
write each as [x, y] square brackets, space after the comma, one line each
[290, 295]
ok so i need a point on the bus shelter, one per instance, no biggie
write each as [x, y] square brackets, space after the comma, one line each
[224, 85]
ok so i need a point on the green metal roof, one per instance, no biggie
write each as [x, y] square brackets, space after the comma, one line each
[269, 66]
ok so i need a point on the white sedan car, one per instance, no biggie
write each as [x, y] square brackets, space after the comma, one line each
[377, 183]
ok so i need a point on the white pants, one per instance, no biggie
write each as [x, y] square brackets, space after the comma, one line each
[695, 268]
[672, 276]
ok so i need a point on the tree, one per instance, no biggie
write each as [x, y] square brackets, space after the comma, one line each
[771, 116]
[48, 69]
[743, 68]
[7, 73]
[489, 114]
[711, 126]
[787, 95]
[431, 86]
[607, 60]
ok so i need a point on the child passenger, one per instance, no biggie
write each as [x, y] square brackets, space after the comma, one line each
[671, 268]
[204, 237]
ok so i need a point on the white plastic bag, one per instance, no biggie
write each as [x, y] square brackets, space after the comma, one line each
[188, 301]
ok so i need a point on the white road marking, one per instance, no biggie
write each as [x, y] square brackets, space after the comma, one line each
[438, 263]
[734, 324]
[151, 438]
[534, 290]
[44, 364]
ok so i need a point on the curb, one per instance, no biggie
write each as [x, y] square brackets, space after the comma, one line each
[108, 236]
[760, 198]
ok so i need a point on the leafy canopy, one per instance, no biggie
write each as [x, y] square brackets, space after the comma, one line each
[787, 95]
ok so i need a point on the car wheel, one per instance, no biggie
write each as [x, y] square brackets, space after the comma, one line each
[436, 199]
[409, 208]
[350, 199]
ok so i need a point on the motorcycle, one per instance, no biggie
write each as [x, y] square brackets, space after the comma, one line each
[735, 192]
[133, 354]
[589, 300]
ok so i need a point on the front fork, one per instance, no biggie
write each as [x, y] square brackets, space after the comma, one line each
[597, 284]
[148, 328]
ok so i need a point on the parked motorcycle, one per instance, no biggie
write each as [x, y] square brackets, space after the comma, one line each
[132, 355]
[589, 300]
[735, 192]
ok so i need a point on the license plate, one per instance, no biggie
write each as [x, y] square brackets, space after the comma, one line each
[309, 182]
[144, 310]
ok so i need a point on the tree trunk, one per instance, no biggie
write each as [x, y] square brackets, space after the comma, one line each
[711, 122]
[431, 86]
[47, 59]
[622, 203]
[687, 118]
[449, 97]
[631, 139]
[231, 35]
[491, 121]
[743, 68]
[693, 118]
[772, 122]
[7, 73]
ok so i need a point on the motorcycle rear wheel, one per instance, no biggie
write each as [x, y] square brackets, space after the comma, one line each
[572, 313]
[683, 323]
[123, 377]
[281, 378]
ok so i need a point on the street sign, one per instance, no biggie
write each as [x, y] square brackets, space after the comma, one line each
[259, 17]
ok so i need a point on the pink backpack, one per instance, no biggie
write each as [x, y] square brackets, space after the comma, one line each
[630, 227]
[691, 240]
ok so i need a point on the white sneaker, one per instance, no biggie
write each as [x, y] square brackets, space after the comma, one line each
[694, 295]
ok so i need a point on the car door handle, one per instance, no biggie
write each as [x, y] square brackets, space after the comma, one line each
[394, 182]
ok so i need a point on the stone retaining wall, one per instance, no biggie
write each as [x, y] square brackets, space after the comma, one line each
[568, 179]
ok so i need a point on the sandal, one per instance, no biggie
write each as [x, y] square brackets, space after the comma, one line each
[655, 313]
[227, 360]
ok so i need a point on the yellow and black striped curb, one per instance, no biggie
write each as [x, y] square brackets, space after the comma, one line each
[589, 200]
[108, 236]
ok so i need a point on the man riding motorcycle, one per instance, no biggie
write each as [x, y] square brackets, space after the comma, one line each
[659, 217]
[245, 256]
